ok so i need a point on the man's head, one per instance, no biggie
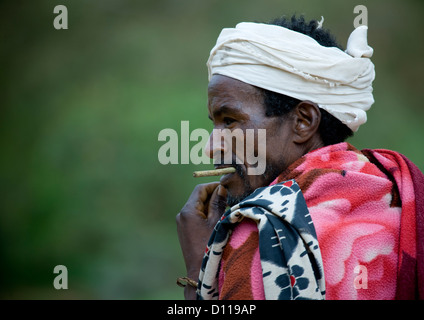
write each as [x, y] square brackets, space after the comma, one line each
[234, 105]
[331, 129]
[293, 126]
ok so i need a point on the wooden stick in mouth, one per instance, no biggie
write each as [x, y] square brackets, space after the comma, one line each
[211, 173]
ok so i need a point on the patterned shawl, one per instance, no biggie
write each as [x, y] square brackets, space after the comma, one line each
[289, 252]
[368, 212]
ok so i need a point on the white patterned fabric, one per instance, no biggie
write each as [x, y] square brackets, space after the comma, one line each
[290, 256]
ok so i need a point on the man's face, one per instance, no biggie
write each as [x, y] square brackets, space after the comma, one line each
[234, 105]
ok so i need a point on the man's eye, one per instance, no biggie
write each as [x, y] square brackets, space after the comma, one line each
[228, 121]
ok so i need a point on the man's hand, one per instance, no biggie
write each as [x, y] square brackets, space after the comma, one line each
[195, 224]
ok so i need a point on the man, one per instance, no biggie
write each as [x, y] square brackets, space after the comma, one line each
[324, 220]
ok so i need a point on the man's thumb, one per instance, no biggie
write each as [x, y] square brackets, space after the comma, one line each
[218, 203]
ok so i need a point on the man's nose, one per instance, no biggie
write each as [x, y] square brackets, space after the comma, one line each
[216, 146]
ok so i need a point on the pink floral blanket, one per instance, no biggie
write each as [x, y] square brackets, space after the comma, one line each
[368, 210]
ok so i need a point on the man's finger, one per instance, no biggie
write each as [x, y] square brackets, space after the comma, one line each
[217, 203]
[205, 190]
[199, 198]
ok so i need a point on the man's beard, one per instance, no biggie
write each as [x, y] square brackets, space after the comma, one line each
[270, 174]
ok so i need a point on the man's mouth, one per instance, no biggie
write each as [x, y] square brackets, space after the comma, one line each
[227, 178]
[223, 166]
[238, 167]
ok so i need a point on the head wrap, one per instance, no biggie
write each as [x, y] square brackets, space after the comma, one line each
[291, 63]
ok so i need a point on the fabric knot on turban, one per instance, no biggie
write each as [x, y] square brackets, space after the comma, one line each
[291, 63]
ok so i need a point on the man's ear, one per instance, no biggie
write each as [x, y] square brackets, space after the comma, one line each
[307, 118]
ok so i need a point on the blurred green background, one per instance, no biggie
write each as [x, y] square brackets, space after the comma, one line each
[81, 110]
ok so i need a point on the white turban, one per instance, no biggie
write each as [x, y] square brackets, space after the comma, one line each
[291, 63]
